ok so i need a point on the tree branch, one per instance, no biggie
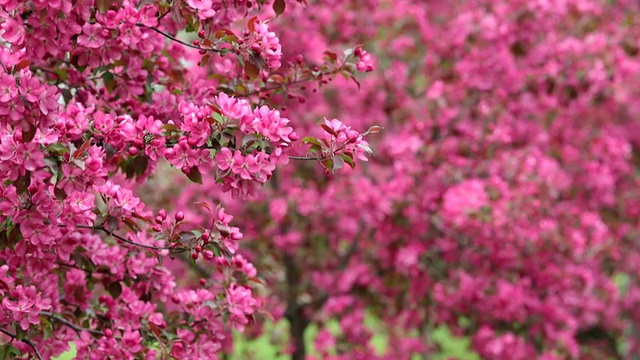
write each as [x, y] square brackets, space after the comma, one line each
[123, 239]
[172, 38]
[294, 82]
[66, 322]
[26, 341]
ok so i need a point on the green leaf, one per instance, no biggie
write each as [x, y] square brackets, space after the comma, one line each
[140, 164]
[218, 117]
[315, 150]
[8, 351]
[109, 81]
[311, 140]
[278, 7]
[348, 158]
[115, 289]
[57, 148]
[47, 328]
[249, 139]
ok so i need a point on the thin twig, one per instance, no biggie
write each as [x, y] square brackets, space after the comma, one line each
[168, 36]
[163, 15]
[125, 240]
[4, 68]
[26, 341]
[295, 82]
[66, 322]
[308, 158]
[73, 266]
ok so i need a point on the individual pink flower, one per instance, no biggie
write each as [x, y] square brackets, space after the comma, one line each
[225, 159]
[91, 36]
[245, 166]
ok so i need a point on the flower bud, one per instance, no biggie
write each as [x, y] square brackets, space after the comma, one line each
[179, 216]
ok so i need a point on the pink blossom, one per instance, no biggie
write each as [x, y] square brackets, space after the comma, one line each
[91, 36]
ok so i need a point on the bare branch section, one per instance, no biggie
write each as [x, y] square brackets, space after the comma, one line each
[26, 341]
[76, 328]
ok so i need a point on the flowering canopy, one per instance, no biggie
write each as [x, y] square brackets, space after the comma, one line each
[95, 95]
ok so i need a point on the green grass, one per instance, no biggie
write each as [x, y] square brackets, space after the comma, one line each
[274, 340]
[69, 354]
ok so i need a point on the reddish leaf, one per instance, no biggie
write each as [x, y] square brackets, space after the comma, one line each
[374, 129]
[205, 60]
[60, 194]
[226, 35]
[251, 70]
[329, 130]
[154, 329]
[278, 7]
[331, 55]
[140, 164]
[251, 24]
[28, 133]
[140, 217]
[114, 289]
[204, 205]
[104, 5]
[80, 151]
[23, 64]
[131, 225]
[277, 78]
[194, 175]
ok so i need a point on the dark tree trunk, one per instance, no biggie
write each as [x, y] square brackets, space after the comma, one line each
[295, 314]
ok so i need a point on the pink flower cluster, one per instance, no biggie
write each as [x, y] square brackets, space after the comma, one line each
[93, 97]
[266, 44]
[342, 139]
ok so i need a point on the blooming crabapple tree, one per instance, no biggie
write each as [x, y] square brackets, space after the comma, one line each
[94, 95]
[503, 198]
